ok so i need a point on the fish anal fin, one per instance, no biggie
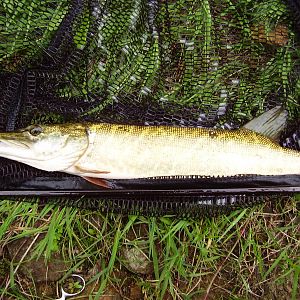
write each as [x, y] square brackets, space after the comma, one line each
[270, 123]
[99, 181]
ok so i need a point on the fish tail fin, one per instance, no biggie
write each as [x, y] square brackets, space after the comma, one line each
[270, 124]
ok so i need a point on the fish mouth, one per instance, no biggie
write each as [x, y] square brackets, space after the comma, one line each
[14, 143]
[18, 148]
[9, 139]
[14, 146]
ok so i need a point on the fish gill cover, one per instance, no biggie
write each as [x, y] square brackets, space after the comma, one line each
[217, 63]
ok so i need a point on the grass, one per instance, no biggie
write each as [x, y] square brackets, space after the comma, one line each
[248, 254]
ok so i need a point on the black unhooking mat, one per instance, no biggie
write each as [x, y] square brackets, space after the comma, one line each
[216, 63]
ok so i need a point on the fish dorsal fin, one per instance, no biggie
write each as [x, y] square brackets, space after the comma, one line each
[270, 123]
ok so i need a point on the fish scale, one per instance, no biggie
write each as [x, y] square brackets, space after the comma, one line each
[128, 151]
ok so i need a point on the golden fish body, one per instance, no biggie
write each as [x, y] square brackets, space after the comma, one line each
[126, 152]
[113, 151]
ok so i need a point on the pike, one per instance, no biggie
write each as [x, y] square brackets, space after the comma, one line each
[103, 151]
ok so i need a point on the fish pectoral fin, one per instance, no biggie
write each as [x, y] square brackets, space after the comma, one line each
[88, 175]
[82, 170]
[270, 123]
[99, 181]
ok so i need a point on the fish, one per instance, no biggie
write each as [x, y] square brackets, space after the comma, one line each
[100, 152]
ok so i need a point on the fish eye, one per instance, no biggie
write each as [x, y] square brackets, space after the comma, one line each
[36, 130]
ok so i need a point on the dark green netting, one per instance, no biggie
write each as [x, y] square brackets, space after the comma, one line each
[185, 63]
[156, 205]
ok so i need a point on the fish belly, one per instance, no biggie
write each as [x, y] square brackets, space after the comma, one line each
[125, 152]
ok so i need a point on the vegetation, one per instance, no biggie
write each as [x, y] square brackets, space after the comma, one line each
[248, 254]
[207, 54]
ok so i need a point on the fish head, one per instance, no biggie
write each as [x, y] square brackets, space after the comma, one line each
[46, 147]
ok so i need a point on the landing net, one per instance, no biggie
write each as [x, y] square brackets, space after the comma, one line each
[217, 63]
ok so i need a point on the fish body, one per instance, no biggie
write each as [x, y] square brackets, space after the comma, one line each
[111, 151]
[126, 152]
